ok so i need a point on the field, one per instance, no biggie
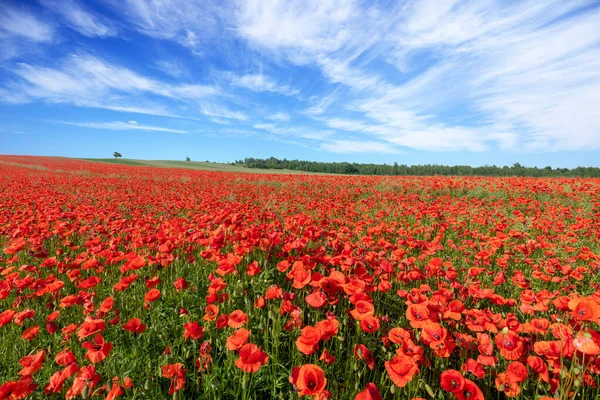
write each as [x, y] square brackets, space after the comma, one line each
[128, 281]
[198, 165]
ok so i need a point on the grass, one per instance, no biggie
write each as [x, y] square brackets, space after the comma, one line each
[196, 165]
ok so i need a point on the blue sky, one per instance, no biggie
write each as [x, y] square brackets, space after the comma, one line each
[429, 81]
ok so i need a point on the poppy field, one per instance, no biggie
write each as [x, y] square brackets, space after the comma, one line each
[151, 283]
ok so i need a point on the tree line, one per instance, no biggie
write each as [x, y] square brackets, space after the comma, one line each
[428, 169]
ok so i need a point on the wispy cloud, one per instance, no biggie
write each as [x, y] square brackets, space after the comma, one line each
[280, 116]
[358, 146]
[19, 21]
[297, 131]
[120, 126]
[171, 68]
[22, 32]
[189, 23]
[220, 111]
[88, 81]
[261, 83]
[80, 19]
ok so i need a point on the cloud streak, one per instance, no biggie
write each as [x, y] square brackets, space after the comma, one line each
[120, 126]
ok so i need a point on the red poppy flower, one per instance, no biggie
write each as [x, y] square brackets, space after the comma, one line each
[98, 350]
[473, 367]
[251, 358]
[309, 380]
[418, 315]
[369, 324]
[176, 373]
[401, 369]
[316, 299]
[585, 309]
[22, 316]
[308, 342]
[222, 321]
[398, 335]
[89, 327]
[33, 363]
[253, 269]
[192, 331]
[503, 385]
[106, 306]
[124, 283]
[539, 367]
[211, 312]
[238, 339]
[587, 342]
[152, 282]
[30, 333]
[510, 345]
[204, 359]
[237, 319]
[327, 358]
[85, 378]
[65, 357]
[58, 379]
[329, 328]
[516, 372]
[273, 292]
[151, 296]
[452, 381]
[181, 284]
[134, 325]
[6, 317]
[362, 309]
[259, 302]
[370, 393]
[433, 334]
[361, 352]
[470, 391]
[19, 389]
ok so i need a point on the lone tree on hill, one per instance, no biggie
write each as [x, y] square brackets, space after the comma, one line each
[116, 154]
[187, 159]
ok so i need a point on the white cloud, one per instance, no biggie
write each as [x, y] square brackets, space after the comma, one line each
[81, 19]
[87, 81]
[345, 124]
[190, 23]
[297, 29]
[215, 110]
[20, 22]
[262, 83]
[120, 126]
[357, 146]
[220, 121]
[321, 104]
[171, 68]
[296, 131]
[280, 117]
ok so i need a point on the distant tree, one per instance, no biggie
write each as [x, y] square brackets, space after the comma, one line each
[116, 154]
[187, 159]
[417, 170]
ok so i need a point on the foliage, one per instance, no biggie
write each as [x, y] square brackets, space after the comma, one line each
[417, 170]
[116, 154]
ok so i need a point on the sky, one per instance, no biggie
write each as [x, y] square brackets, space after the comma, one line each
[415, 82]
